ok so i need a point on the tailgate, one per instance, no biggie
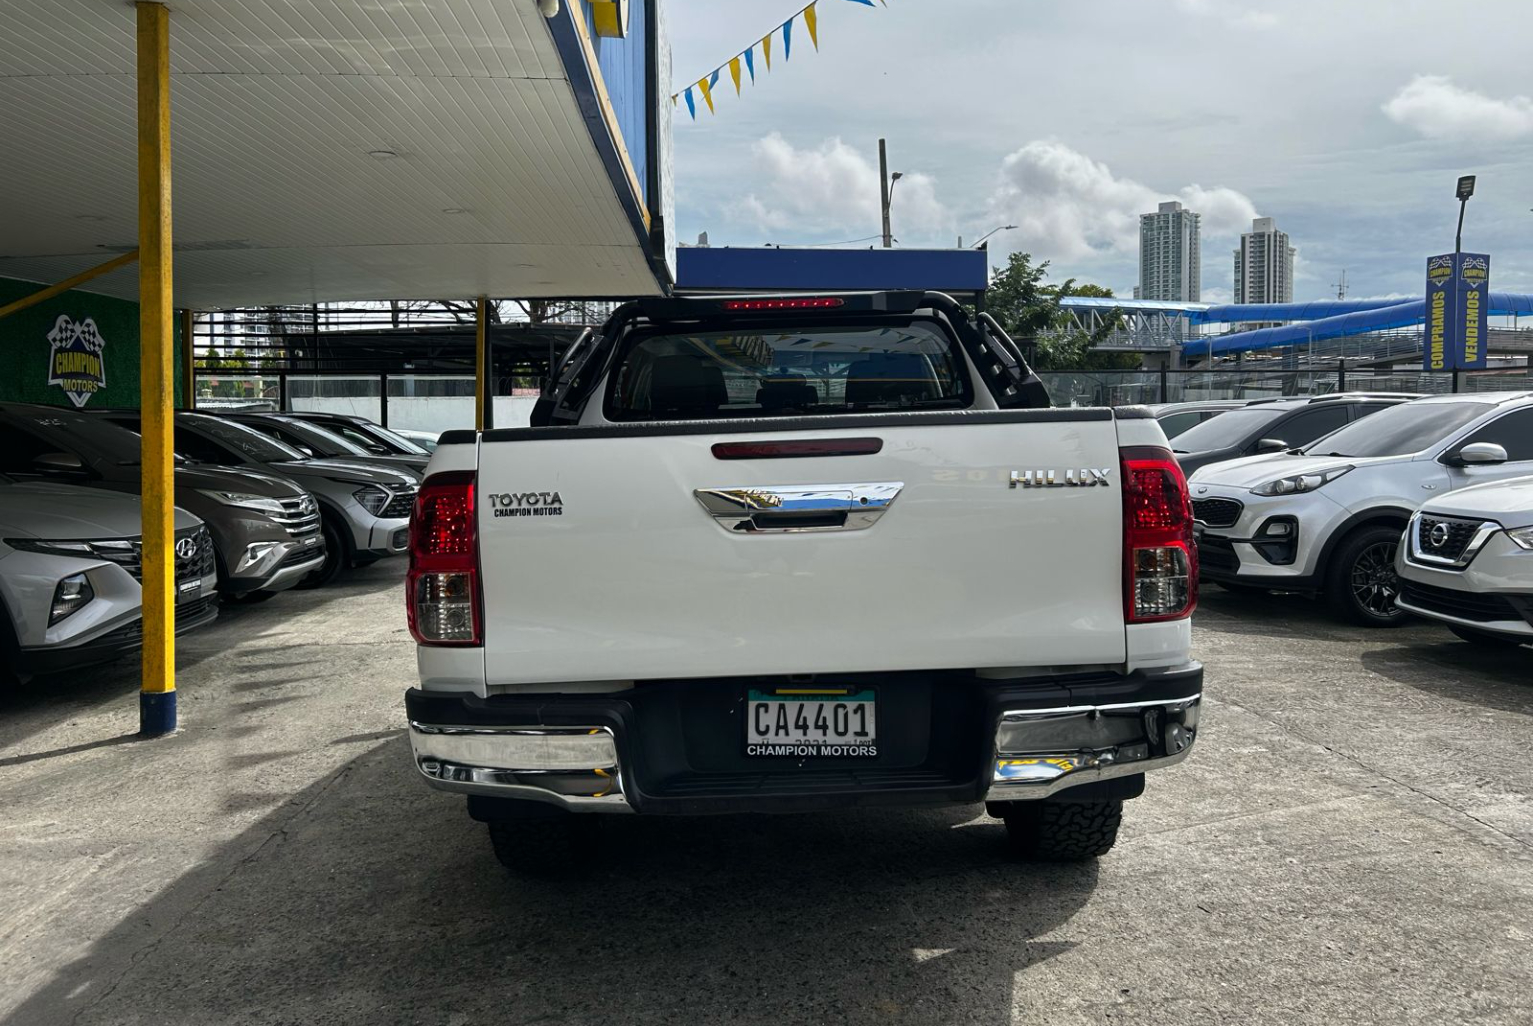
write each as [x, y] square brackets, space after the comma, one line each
[633, 553]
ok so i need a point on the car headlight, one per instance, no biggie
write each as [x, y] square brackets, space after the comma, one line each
[372, 498]
[71, 594]
[1299, 483]
[1522, 537]
[245, 500]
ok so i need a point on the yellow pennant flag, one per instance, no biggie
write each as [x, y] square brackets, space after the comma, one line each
[809, 20]
[734, 73]
[702, 84]
[766, 49]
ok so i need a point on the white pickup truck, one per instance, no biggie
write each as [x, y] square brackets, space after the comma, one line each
[793, 553]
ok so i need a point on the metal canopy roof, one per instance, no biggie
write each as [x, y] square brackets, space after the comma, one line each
[498, 184]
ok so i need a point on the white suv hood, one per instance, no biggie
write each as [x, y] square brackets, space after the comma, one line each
[1510, 502]
[63, 512]
[1250, 471]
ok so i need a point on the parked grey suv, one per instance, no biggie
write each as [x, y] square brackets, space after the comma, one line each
[265, 529]
[70, 567]
[318, 440]
[364, 509]
[375, 438]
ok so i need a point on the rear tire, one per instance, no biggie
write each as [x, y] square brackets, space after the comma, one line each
[1361, 583]
[553, 846]
[1486, 638]
[337, 555]
[1044, 831]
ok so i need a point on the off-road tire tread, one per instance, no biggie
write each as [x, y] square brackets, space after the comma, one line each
[1063, 831]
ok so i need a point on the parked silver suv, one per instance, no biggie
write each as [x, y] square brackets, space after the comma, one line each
[70, 566]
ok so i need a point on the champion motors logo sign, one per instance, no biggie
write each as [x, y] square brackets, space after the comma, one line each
[1439, 269]
[74, 361]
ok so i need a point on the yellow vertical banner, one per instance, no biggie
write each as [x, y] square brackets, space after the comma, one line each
[766, 49]
[734, 73]
[809, 20]
[702, 84]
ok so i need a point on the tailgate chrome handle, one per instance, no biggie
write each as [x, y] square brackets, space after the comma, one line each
[799, 508]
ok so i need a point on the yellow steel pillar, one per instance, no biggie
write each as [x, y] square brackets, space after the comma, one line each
[188, 362]
[157, 696]
[481, 363]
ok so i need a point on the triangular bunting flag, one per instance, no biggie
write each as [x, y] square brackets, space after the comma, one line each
[867, 2]
[787, 39]
[734, 73]
[810, 19]
[750, 62]
[766, 49]
[707, 89]
[691, 106]
[713, 79]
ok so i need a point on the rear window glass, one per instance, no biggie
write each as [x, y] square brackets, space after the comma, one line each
[808, 371]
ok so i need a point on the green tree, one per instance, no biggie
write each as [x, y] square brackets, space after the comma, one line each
[1029, 309]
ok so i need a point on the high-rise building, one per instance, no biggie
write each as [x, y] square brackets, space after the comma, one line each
[1264, 265]
[1170, 259]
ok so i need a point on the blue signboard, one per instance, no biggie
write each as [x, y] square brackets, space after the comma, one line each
[1473, 282]
[1437, 352]
[1458, 300]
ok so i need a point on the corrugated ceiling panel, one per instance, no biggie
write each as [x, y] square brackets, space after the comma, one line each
[275, 107]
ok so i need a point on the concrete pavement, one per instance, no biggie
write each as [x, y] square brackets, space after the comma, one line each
[1350, 842]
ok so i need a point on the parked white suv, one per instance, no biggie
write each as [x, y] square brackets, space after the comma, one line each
[1468, 561]
[1327, 519]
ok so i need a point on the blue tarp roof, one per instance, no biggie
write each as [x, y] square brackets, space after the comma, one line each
[1398, 314]
[772, 269]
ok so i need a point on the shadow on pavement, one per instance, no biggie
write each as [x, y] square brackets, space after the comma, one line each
[1498, 678]
[369, 899]
[43, 700]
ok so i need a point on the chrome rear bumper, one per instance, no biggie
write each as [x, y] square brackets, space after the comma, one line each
[576, 767]
[1040, 752]
[1037, 754]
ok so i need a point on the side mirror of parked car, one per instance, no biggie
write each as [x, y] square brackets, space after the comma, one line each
[1270, 445]
[1478, 454]
[54, 462]
[378, 450]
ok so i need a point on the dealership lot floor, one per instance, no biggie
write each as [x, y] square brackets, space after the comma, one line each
[1350, 842]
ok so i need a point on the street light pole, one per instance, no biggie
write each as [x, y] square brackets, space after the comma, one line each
[886, 190]
[1463, 192]
[997, 228]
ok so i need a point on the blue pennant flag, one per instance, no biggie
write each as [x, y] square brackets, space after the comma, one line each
[868, 2]
[750, 62]
[691, 106]
[787, 39]
[713, 79]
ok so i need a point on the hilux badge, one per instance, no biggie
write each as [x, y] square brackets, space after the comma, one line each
[1085, 477]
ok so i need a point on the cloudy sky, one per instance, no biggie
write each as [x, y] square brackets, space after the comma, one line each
[1346, 120]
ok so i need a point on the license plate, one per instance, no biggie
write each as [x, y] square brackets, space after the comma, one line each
[189, 591]
[811, 722]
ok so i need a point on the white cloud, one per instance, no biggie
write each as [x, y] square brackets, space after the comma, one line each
[1435, 107]
[836, 187]
[1235, 14]
[1068, 206]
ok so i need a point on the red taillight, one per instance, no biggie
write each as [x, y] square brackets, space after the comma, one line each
[442, 597]
[804, 303]
[1160, 561]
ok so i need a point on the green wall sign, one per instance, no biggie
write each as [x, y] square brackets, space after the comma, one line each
[76, 349]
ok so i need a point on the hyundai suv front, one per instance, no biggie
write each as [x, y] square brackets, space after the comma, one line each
[364, 509]
[70, 567]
